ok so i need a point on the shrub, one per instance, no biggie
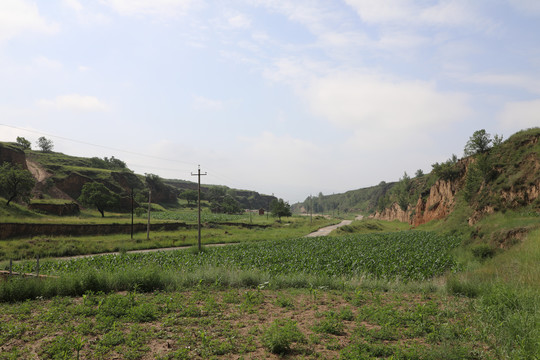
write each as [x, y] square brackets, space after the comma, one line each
[459, 287]
[331, 324]
[483, 251]
[280, 335]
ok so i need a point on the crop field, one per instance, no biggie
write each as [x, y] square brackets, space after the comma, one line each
[402, 255]
[362, 296]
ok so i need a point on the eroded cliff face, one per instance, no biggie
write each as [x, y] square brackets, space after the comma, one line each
[442, 198]
[12, 155]
[394, 212]
[438, 205]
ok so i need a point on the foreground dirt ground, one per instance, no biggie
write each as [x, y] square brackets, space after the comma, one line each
[242, 324]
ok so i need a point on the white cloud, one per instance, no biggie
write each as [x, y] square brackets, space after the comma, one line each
[393, 40]
[19, 16]
[520, 115]
[162, 8]
[528, 83]
[84, 14]
[413, 13]
[74, 5]
[351, 99]
[527, 7]
[383, 11]
[239, 21]
[201, 102]
[283, 159]
[74, 102]
[46, 63]
[311, 14]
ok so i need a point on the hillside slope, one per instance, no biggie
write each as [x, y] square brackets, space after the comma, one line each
[506, 177]
[61, 176]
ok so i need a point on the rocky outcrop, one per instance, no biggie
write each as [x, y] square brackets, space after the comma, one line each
[73, 184]
[394, 212]
[438, 205]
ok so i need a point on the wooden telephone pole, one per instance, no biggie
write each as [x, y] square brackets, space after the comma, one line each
[199, 203]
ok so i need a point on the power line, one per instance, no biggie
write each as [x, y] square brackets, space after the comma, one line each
[216, 174]
[97, 145]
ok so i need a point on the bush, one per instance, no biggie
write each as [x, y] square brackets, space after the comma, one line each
[279, 337]
[483, 251]
[459, 287]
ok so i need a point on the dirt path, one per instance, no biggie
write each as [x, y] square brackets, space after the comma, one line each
[39, 173]
[141, 251]
[325, 231]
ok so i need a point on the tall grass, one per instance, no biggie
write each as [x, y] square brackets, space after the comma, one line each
[507, 288]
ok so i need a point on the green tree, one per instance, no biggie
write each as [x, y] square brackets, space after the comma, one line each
[216, 194]
[419, 173]
[23, 143]
[191, 196]
[497, 140]
[280, 208]
[96, 194]
[230, 205]
[45, 144]
[115, 163]
[402, 190]
[15, 183]
[478, 143]
[448, 170]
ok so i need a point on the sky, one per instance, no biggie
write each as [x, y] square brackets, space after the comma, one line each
[290, 98]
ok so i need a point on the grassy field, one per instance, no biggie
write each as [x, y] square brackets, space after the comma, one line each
[252, 300]
[207, 323]
[364, 294]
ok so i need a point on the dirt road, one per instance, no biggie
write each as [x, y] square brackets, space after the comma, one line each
[325, 231]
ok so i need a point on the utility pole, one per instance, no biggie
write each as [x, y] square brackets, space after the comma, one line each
[311, 208]
[199, 203]
[132, 208]
[148, 223]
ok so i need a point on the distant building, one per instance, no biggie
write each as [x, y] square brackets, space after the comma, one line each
[261, 211]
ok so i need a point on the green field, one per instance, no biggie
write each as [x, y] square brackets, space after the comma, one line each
[364, 294]
[356, 296]
[212, 233]
[400, 255]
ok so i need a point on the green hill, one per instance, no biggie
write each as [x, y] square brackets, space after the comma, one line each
[506, 176]
[60, 178]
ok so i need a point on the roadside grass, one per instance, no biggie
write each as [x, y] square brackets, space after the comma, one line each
[507, 292]
[369, 226]
[208, 322]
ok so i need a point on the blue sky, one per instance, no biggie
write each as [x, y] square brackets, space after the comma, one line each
[283, 97]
